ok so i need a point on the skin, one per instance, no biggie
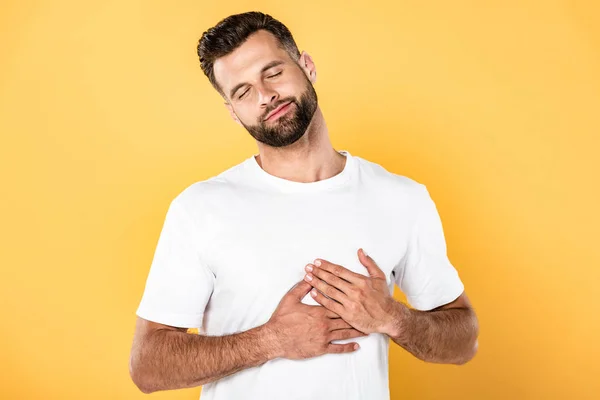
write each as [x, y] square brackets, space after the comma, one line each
[166, 357]
[310, 158]
[446, 334]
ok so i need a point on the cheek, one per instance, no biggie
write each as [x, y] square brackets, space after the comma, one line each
[248, 114]
[291, 89]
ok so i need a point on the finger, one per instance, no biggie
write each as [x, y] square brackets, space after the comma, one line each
[341, 284]
[298, 291]
[330, 291]
[372, 267]
[321, 311]
[338, 270]
[345, 334]
[328, 303]
[342, 348]
[339, 323]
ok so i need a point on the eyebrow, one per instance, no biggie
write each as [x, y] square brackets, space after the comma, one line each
[266, 67]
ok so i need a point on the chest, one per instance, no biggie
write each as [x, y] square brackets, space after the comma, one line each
[259, 249]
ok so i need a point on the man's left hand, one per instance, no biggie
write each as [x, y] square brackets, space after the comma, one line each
[362, 301]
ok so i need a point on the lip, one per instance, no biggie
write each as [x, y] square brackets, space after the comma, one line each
[282, 108]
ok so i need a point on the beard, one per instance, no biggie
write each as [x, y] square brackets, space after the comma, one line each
[291, 126]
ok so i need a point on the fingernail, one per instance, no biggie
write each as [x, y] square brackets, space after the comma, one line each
[356, 346]
[308, 277]
[317, 263]
[313, 292]
[308, 268]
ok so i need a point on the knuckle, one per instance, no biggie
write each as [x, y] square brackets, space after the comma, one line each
[323, 327]
[335, 349]
[338, 281]
[334, 325]
[358, 333]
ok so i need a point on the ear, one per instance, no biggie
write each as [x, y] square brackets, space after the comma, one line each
[232, 113]
[308, 66]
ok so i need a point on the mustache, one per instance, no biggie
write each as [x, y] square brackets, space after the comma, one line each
[284, 101]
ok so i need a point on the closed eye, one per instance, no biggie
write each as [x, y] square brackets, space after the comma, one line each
[272, 76]
[242, 95]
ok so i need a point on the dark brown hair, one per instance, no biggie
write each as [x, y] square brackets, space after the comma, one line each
[232, 32]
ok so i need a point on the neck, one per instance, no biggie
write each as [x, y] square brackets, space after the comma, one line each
[311, 158]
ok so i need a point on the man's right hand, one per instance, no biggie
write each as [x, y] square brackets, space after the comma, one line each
[303, 331]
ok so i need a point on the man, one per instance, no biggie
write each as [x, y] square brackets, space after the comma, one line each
[297, 215]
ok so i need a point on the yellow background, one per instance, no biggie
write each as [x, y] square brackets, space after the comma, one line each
[106, 116]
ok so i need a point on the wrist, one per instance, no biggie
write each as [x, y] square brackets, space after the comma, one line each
[397, 316]
[271, 341]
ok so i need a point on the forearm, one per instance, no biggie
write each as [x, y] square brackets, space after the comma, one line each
[170, 359]
[447, 336]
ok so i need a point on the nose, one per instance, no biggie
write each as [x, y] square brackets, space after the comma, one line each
[267, 95]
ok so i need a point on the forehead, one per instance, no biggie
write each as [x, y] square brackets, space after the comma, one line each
[247, 60]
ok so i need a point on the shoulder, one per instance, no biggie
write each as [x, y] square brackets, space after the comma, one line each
[372, 173]
[213, 189]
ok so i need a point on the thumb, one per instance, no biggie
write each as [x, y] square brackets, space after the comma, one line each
[298, 291]
[368, 262]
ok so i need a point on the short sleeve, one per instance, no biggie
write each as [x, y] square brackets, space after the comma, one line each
[178, 285]
[426, 275]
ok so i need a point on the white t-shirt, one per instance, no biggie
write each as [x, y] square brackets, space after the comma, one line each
[231, 246]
